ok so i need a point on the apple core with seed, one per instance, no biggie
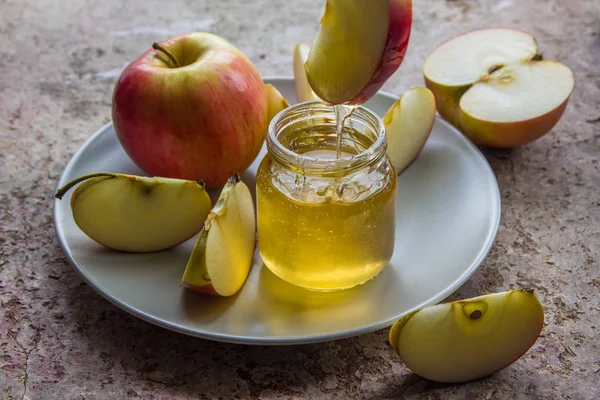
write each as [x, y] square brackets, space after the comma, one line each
[495, 86]
[468, 339]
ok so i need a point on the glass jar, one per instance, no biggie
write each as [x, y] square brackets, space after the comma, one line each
[326, 222]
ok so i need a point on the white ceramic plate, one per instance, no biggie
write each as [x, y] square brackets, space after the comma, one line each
[447, 219]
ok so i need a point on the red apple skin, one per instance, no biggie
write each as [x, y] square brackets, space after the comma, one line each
[206, 289]
[510, 134]
[394, 51]
[447, 100]
[206, 120]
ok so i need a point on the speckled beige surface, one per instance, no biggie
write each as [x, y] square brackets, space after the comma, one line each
[60, 340]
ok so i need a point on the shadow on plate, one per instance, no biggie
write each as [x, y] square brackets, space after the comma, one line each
[204, 308]
[282, 294]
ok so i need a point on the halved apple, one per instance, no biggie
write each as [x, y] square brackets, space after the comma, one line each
[494, 86]
[137, 214]
[408, 124]
[359, 45]
[222, 256]
[276, 101]
[468, 339]
[303, 90]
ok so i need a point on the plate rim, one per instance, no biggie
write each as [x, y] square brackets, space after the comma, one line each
[284, 340]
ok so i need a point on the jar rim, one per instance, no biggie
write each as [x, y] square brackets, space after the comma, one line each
[371, 154]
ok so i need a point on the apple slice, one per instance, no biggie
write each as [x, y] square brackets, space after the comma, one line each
[276, 101]
[303, 90]
[408, 124]
[137, 214]
[359, 45]
[494, 86]
[222, 257]
[468, 339]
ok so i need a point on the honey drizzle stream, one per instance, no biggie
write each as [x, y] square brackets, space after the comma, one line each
[341, 113]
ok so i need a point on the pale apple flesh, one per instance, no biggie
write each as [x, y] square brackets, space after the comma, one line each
[468, 339]
[348, 28]
[137, 214]
[515, 102]
[276, 101]
[359, 45]
[222, 256]
[463, 60]
[303, 90]
[408, 124]
[206, 119]
[494, 86]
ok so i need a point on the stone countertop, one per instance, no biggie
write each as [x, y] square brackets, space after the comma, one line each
[61, 340]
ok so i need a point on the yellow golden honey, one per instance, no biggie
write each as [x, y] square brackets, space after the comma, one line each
[325, 243]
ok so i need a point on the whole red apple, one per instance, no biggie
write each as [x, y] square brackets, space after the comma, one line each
[193, 107]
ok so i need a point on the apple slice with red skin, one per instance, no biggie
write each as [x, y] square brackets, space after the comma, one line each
[408, 124]
[359, 45]
[222, 256]
[468, 339]
[493, 85]
[135, 213]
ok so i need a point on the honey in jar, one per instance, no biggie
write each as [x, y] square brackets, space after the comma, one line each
[326, 203]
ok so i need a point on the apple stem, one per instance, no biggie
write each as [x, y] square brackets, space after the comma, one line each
[538, 57]
[63, 190]
[160, 47]
[235, 179]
